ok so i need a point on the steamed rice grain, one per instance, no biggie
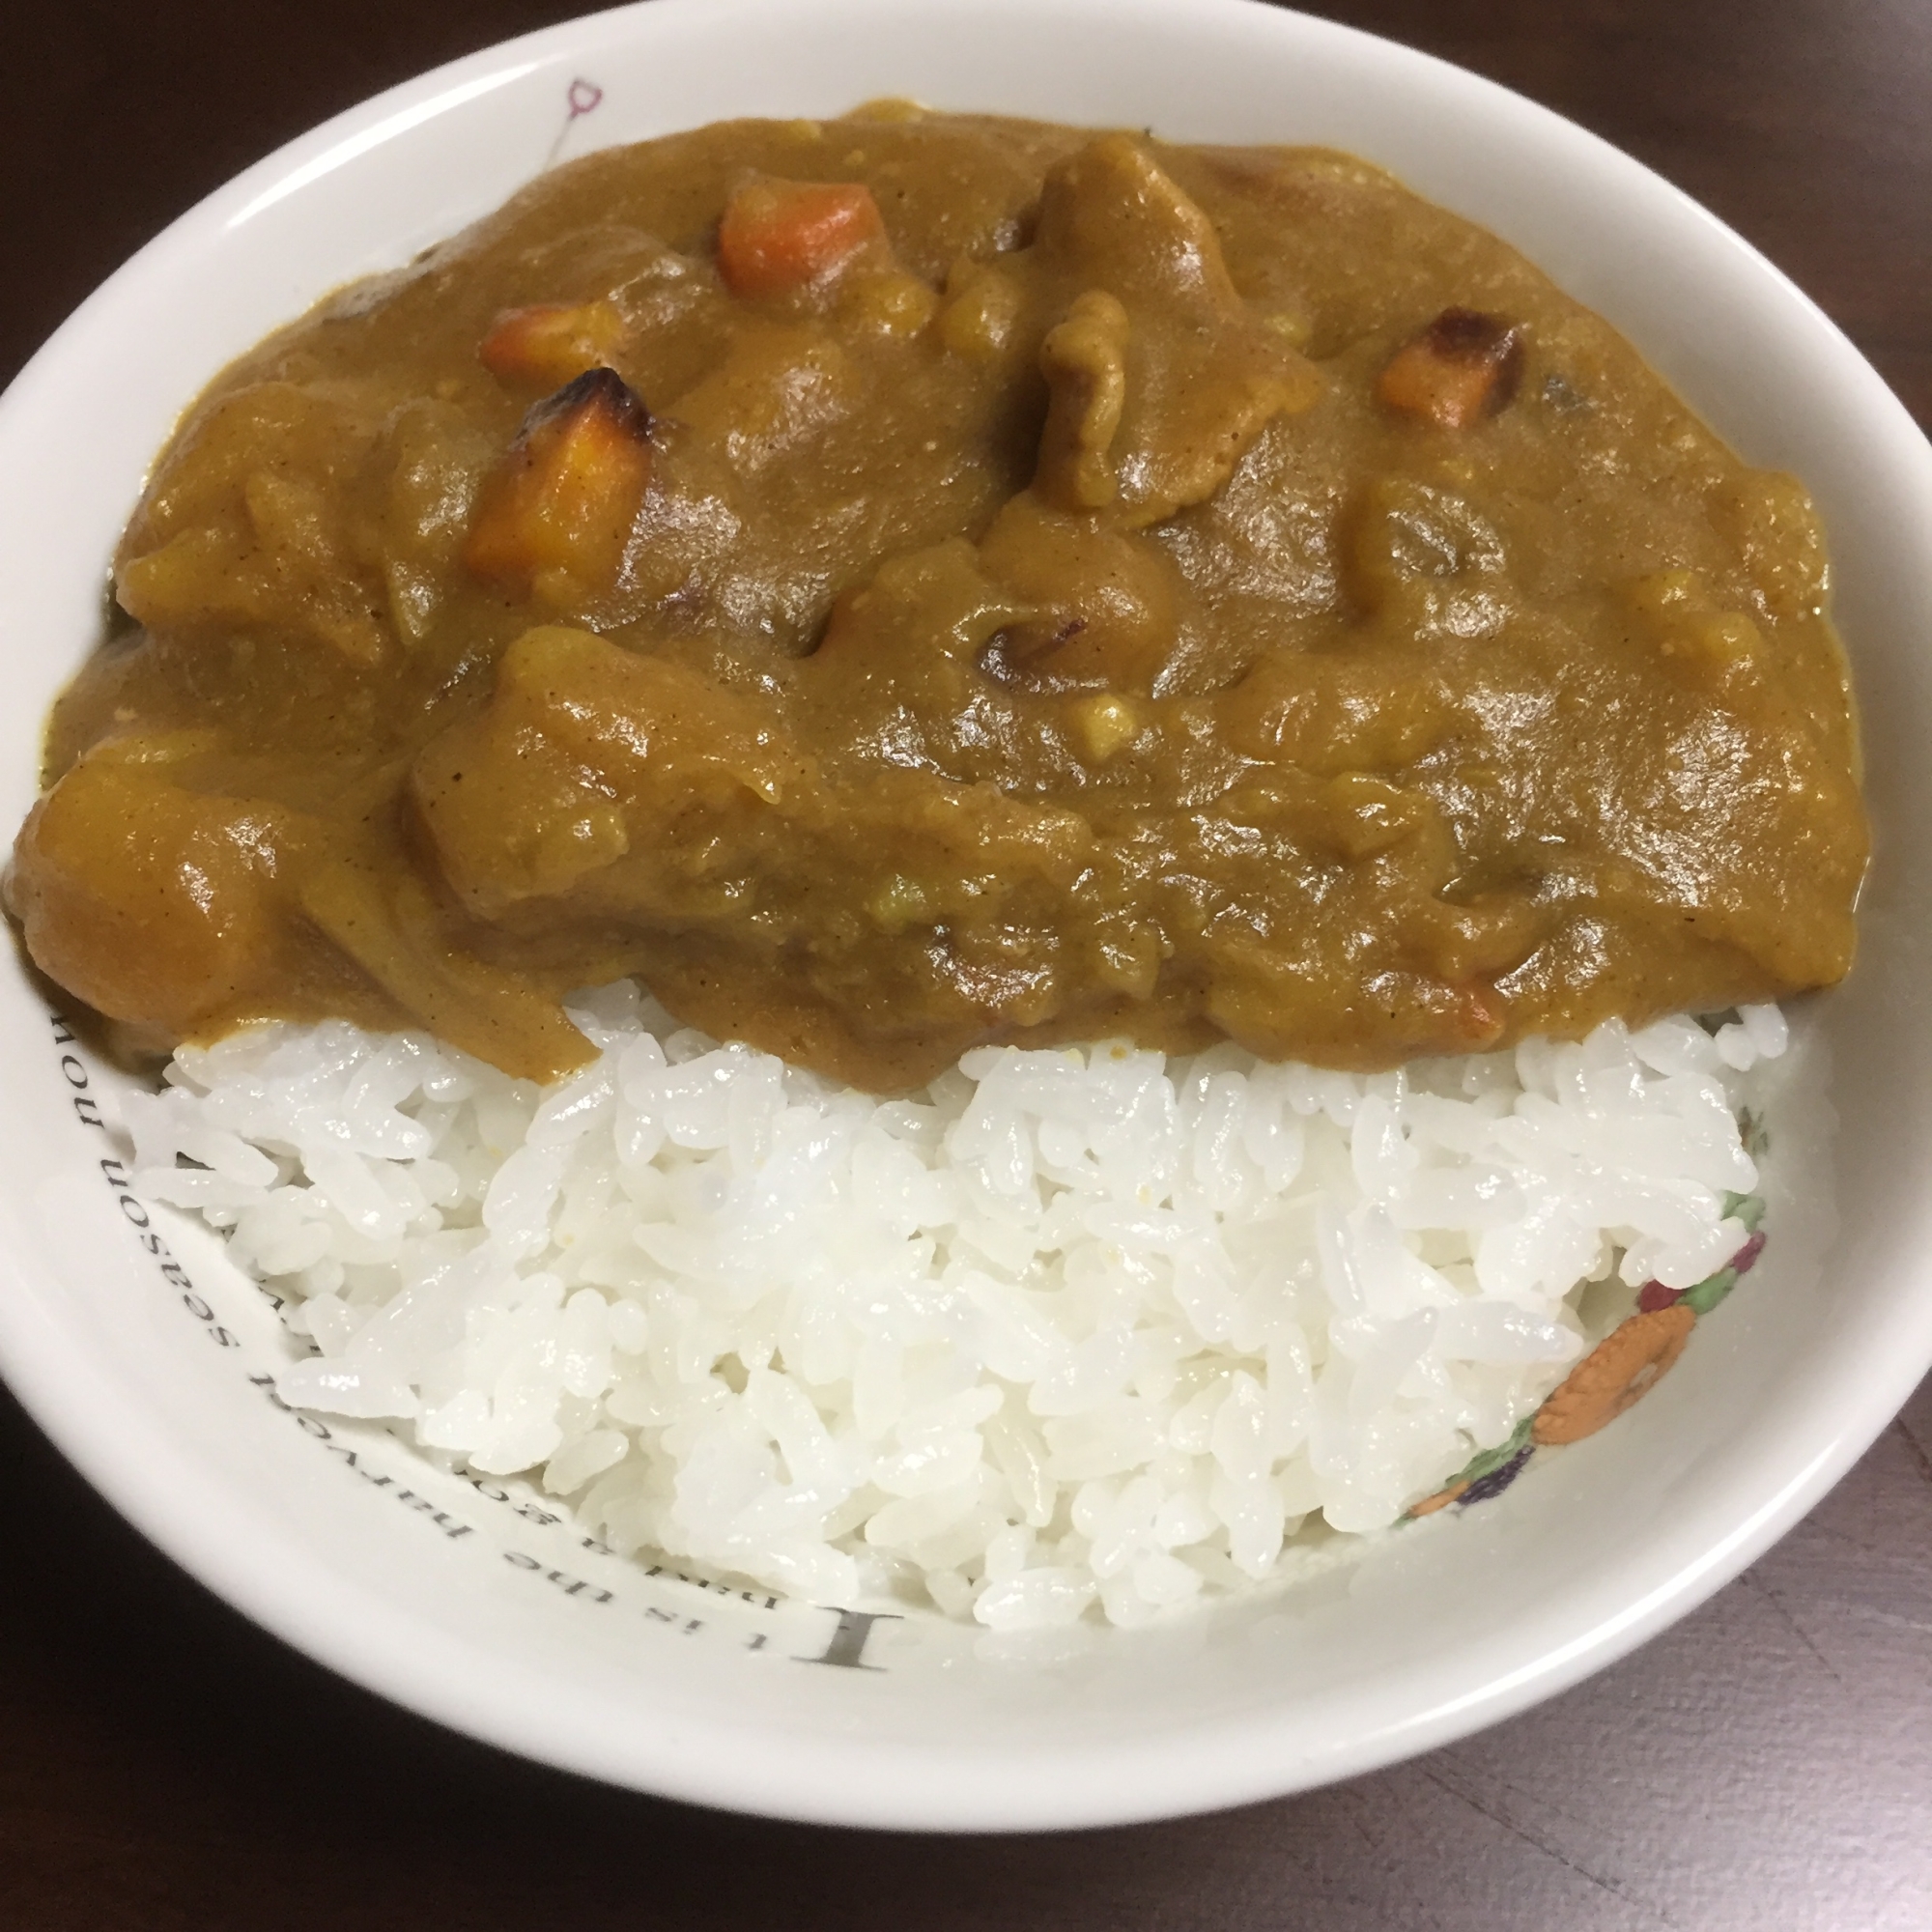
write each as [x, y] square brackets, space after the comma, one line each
[1064, 1329]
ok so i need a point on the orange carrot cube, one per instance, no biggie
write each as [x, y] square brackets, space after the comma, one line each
[551, 342]
[777, 236]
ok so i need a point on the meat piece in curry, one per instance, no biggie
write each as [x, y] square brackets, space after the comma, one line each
[912, 581]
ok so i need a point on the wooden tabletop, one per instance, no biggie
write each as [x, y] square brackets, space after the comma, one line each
[1765, 1765]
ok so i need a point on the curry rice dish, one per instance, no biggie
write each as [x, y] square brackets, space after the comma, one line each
[914, 585]
[912, 581]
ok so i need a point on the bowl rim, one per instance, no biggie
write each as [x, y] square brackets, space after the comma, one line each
[281, 1585]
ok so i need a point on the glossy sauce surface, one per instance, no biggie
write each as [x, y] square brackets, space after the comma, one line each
[1030, 584]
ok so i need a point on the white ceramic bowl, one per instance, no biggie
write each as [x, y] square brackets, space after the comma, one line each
[151, 1364]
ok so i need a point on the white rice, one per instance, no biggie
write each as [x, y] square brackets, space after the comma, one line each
[1073, 1328]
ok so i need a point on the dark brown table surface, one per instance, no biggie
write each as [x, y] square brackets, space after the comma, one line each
[1767, 1764]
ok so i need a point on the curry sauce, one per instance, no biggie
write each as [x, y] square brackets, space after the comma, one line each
[914, 581]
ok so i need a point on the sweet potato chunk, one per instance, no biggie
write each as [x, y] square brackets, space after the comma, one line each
[551, 342]
[556, 512]
[777, 236]
[248, 533]
[1463, 366]
[153, 902]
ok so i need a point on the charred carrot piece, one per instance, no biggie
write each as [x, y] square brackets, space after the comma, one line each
[567, 493]
[551, 342]
[777, 236]
[1465, 365]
